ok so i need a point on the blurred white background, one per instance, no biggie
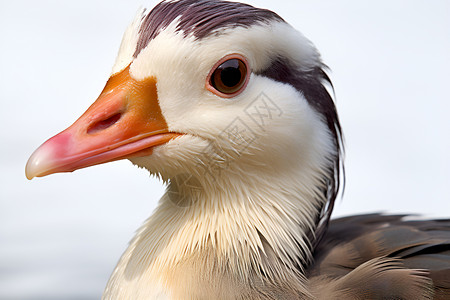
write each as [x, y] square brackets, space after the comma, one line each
[61, 236]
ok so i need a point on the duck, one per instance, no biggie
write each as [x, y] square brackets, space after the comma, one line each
[234, 109]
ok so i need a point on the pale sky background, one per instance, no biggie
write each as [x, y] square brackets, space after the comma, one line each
[61, 236]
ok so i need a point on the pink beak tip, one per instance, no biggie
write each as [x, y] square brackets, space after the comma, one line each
[39, 162]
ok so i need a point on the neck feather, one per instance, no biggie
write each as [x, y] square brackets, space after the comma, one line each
[260, 226]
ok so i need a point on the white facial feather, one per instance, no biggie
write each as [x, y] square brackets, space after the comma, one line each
[227, 191]
[128, 44]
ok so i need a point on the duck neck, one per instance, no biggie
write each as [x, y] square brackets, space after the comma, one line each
[229, 233]
[257, 224]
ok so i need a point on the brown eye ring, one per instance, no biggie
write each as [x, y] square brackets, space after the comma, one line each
[229, 76]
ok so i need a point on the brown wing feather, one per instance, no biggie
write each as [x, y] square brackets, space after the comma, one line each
[359, 247]
[378, 278]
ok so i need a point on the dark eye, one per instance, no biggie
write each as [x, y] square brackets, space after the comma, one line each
[230, 77]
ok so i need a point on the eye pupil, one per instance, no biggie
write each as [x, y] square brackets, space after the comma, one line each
[229, 77]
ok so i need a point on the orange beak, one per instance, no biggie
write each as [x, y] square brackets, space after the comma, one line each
[125, 121]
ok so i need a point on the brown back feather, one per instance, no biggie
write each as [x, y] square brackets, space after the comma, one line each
[419, 249]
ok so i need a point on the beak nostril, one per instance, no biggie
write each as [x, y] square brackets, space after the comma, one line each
[104, 124]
